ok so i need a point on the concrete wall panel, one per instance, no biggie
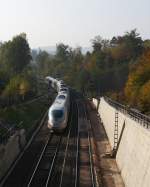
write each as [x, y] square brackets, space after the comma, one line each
[10, 150]
[133, 156]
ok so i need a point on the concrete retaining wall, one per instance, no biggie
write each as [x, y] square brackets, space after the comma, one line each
[133, 156]
[10, 150]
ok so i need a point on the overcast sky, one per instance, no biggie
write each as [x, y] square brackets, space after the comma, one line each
[74, 22]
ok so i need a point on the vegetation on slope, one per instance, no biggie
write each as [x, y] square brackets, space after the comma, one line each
[137, 90]
[24, 116]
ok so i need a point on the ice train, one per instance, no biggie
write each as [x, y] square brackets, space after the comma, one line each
[59, 111]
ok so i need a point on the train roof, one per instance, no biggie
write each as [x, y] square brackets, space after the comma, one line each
[60, 101]
[63, 92]
[62, 96]
[57, 105]
[52, 79]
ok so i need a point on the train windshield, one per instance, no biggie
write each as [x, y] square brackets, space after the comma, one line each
[61, 97]
[57, 114]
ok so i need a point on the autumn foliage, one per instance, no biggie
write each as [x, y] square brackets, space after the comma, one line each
[137, 88]
[119, 68]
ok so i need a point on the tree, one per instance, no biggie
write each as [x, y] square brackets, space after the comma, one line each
[126, 47]
[147, 44]
[62, 52]
[15, 55]
[24, 88]
[138, 81]
[144, 97]
[42, 60]
[97, 43]
[20, 53]
[17, 86]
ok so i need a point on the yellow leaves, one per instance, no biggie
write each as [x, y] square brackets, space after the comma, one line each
[24, 87]
[17, 85]
[131, 89]
[91, 64]
[66, 78]
[144, 96]
[12, 87]
[145, 91]
[137, 90]
[120, 52]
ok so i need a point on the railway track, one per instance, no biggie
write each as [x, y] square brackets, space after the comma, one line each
[85, 165]
[64, 170]
[58, 159]
[20, 169]
[41, 174]
[69, 170]
[51, 160]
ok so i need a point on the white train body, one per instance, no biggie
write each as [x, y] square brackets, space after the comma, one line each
[59, 110]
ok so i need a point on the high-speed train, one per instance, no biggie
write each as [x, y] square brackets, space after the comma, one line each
[59, 111]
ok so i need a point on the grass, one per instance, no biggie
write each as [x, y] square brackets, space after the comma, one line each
[26, 115]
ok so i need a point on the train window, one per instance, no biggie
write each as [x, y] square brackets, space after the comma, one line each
[63, 85]
[57, 113]
[63, 89]
[61, 97]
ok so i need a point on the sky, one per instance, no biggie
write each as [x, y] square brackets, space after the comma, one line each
[73, 22]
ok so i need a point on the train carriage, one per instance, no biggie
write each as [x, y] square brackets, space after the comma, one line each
[59, 110]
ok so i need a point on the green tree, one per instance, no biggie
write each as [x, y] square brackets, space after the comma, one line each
[20, 53]
[42, 60]
[97, 43]
[62, 52]
[15, 55]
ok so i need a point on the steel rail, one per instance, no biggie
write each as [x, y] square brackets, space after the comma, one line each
[4, 179]
[65, 156]
[97, 181]
[77, 151]
[91, 161]
[50, 172]
[53, 161]
[90, 150]
[40, 158]
[63, 165]
[42, 155]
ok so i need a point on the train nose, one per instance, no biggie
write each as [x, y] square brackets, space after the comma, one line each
[53, 124]
[49, 125]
